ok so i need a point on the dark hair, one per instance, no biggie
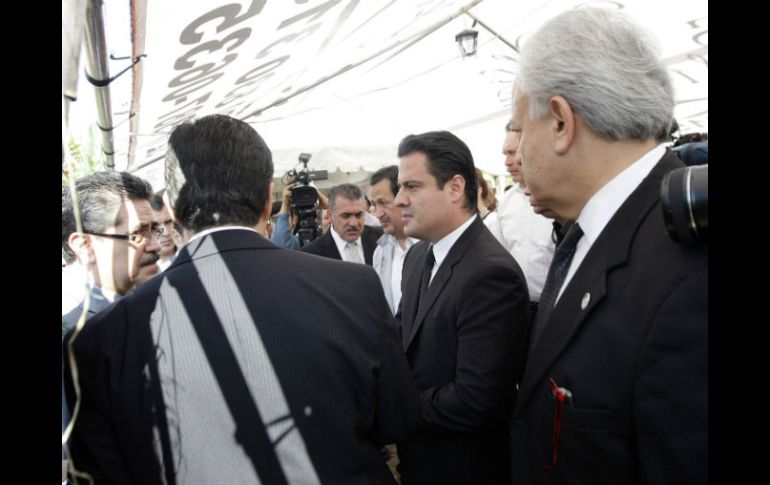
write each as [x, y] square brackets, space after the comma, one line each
[391, 173]
[447, 156]
[218, 172]
[156, 202]
[348, 191]
[100, 195]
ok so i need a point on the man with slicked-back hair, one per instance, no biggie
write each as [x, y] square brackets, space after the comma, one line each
[237, 364]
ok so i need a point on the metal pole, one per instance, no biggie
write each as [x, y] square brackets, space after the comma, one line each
[97, 68]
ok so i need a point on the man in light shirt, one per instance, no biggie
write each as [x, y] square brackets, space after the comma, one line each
[393, 244]
[525, 234]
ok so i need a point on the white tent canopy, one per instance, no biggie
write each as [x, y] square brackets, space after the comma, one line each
[347, 79]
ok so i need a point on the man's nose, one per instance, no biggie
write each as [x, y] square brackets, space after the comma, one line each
[401, 198]
[153, 244]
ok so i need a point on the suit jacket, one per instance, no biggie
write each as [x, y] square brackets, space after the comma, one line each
[629, 339]
[466, 346]
[236, 362]
[325, 246]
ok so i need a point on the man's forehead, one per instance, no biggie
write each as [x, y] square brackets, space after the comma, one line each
[381, 189]
[139, 213]
[162, 215]
[511, 141]
[519, 104]
[343, 204]
[411, 165]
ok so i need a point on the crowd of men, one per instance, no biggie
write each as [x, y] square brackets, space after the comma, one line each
[562, 339]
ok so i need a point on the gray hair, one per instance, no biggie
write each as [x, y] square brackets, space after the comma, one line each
[99, 195]
[606, 67]
[348, 191]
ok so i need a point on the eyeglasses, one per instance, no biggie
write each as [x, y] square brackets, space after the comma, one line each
[135, 238]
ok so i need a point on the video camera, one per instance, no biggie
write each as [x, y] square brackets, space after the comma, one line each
[303, 200]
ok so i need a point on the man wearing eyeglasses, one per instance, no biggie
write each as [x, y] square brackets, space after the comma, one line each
[117, 249]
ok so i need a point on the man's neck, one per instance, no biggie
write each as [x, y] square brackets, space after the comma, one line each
[457, 220]
[401, 238]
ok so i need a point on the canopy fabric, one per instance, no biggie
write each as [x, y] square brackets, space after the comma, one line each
[346, 80]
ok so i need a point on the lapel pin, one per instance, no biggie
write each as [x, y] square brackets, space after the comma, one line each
[586, 300]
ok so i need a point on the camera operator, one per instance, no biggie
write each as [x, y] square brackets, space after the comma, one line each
[286, 219]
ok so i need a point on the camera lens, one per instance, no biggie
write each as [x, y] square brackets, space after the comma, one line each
[684, 197]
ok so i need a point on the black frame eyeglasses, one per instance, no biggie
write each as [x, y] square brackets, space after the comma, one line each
[136, 238]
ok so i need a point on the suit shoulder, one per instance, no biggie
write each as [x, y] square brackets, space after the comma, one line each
[373, 232]
[315, 247]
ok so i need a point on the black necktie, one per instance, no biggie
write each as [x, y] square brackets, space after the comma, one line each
[430, 260]
[556, 274]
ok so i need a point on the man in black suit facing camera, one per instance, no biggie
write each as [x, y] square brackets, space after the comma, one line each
[348, 239]
[464, 319]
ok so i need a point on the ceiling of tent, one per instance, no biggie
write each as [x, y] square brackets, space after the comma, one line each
[345, 80]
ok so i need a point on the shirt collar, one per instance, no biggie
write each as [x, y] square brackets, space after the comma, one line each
[442, 247]
[604, 203]
[390, 239]
[341, 242]
[206, 232]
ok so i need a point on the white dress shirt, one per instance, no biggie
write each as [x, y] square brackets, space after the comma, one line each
[526, 235]
[605, 203]
[442, 247]
[341, 246]
[388, 262]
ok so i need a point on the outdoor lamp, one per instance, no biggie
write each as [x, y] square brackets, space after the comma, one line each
[467, 40]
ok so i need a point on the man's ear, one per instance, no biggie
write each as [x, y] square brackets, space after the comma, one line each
[268, 204]
[563, 128]
[456, 188]
[81, 245]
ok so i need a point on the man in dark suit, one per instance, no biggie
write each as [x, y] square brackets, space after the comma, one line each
[616, 384]
[464, 319]
[234, 364]
[349, 239]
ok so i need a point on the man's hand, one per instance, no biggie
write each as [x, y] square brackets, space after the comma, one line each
[285, 205]
[323, 201]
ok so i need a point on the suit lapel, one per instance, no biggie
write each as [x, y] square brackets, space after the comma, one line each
[330, 247]
[441, 278]
[588, 286]
[410, 286]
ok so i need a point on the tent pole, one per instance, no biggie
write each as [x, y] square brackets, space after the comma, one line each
[98, 70]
